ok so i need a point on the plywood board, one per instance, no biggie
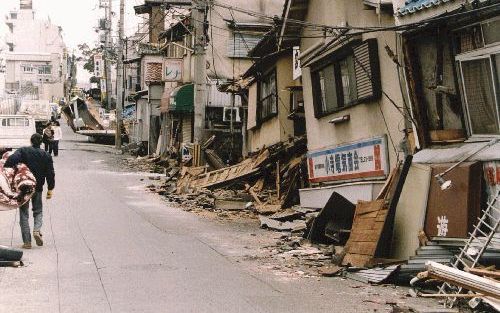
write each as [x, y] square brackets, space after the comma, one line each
[410, 212]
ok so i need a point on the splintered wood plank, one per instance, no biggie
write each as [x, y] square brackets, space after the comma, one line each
[371, 215]
[369, 236]
[364, 248]
[364, 207]
[356, 259]
[366, 231]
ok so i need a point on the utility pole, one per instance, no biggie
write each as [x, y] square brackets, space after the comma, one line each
[199, 15]
[107, 52]
[119, 78]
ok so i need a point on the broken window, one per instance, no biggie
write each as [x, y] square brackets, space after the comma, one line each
[350, 76]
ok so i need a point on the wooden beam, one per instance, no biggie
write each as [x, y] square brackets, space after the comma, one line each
[463, 279]
[483, 272]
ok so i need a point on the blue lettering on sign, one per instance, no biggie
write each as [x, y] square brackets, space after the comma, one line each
[350, 162]
[344, 162]
[332, 163]
[337, 163]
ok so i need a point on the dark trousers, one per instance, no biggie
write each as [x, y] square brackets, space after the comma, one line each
[46, 146]
[54, 147]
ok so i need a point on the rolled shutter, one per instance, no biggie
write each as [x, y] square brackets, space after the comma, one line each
[367, 70]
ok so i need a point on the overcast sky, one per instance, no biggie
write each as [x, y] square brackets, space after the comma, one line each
[78, 18]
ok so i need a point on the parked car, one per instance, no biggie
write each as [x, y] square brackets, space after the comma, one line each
[16, 131]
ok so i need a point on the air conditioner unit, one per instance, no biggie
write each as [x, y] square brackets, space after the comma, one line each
[231, 111]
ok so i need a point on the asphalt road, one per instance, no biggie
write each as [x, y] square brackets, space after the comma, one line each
[112, 247]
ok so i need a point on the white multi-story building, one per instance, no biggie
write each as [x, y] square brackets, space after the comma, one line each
[35, 58]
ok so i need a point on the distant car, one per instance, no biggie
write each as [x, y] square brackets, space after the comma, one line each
[16, 131]
[55, 111]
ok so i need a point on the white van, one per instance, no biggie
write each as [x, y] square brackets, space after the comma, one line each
[16, 131]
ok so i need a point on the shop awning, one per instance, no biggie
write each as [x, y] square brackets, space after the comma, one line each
[182, 99]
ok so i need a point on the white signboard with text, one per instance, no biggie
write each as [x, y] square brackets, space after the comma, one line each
[172, 70]
[98, 65]
[365, 159]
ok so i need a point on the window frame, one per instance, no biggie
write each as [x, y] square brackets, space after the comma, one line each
[43, 67]
[335, 59]
[260, 118]
[31, 68]
[487, 52]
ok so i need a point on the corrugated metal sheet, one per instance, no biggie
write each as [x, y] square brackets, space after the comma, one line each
[186, 129]
[412, 6]
[375, 275]
[220, 99]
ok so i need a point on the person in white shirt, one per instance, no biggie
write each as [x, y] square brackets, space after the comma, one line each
[56, 127]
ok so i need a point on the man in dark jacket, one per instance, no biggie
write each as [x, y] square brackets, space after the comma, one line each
[40, 164]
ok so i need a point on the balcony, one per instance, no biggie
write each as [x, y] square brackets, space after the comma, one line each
[9, 39]
[10, 19]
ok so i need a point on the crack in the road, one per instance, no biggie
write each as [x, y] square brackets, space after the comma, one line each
[93, 260]
[57, 262]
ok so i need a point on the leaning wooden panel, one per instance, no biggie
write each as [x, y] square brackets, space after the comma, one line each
[366, 232]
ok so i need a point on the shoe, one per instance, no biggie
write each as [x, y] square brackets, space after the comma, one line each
[38, 238]
[27, 245]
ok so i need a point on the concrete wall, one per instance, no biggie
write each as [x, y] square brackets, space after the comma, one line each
[366, 118]
[278, 128]
[220, 39]
[35, 36]
[50, 86]
[36, 42]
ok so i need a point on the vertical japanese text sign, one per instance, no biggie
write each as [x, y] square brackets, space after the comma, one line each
[297, 70]
[98, 65]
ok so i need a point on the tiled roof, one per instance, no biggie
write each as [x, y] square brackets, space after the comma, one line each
[412, 6]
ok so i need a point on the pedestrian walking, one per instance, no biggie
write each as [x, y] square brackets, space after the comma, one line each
[56, 127]
[48, 136]
[41, 165]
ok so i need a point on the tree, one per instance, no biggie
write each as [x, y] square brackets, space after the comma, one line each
[87, 55]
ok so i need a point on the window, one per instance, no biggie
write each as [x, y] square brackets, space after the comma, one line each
[296, 100]
[240, 44]
[267, 105]
[15, 122]
[477, 36]
[45, 69]
[27, 68]
[479, 67]
[347, 77]
[480, 84]
[13, 15]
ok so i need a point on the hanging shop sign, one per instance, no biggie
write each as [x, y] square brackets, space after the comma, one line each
[365, 159]
[297, 70]
[98, 65]
[172, 70]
